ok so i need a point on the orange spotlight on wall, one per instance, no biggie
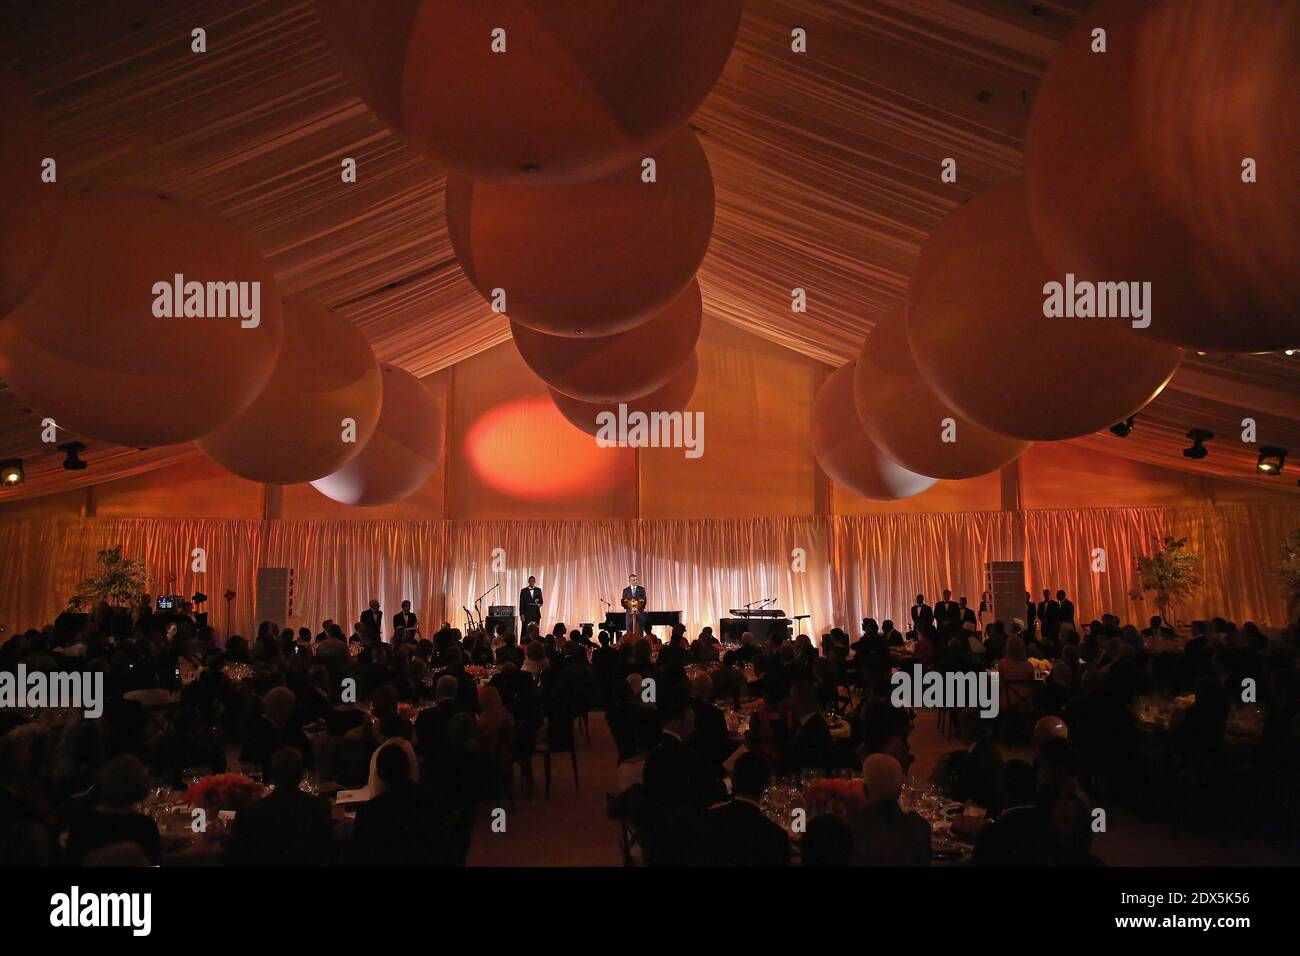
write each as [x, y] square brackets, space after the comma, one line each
[525, 448]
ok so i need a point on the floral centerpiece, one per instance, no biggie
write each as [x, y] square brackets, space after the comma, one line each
[406, 711]
[476, 671]
[836, 794]
[223, 791]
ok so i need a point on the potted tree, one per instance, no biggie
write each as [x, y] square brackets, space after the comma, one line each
[117, 582]
[1172, 573]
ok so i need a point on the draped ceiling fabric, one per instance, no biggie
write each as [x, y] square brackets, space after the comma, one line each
[855, 566]
[825, 165]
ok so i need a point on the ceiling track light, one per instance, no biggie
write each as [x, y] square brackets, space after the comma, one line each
[1197, 449]
[72, 449]
[1271, 460]
[11, 472]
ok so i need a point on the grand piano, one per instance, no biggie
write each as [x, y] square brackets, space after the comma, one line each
[617, 620]
[759, 622]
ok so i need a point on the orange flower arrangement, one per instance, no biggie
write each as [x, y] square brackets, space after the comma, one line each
[223, 791]
[844, 794]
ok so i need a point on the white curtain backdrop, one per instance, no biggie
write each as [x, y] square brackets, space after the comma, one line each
[836, 569]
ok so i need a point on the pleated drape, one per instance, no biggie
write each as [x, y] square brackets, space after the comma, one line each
[836, 569]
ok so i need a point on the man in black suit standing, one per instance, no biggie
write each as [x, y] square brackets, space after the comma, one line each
[634, 590]
[405, 624]
[740, 832]
[530, 604]
[1031, 614]
[946, 613]
[372, 619]
[967, 613]
[1049, 615]
[1066, 614]
[922, 614]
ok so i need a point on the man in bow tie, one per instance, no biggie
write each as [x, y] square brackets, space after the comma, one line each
[405, 625]
[530, 604]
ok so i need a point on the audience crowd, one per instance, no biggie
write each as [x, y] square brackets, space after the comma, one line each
[435, 729]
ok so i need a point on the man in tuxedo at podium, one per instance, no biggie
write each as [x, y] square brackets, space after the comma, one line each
[405, 624]
[634, 590]
[530, 604]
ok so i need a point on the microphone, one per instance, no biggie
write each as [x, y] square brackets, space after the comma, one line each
[606, 603]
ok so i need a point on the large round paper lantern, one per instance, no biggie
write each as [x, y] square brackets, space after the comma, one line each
[979, 336]
[613, 368]
[673, 396]
[593, 259]
[1137, 161]
[913, 425]
[547, 92]
[155, 322]
[401, 454]
[846, 454]
[31, 211]
[370, 40]
[318, 410]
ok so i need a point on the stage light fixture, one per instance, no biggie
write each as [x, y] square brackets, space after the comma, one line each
[72, 462]
[1197, 449]
[11, 472]
[1271, 460]
[1122, 428]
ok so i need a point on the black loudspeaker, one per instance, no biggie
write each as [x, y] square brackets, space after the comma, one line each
[507, 622]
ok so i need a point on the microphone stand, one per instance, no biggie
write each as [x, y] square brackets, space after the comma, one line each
[479, 600]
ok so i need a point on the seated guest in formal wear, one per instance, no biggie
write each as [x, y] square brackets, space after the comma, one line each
[285, 828]
[827, 841]
[740, 833]
[810, 745]
[890, 634]
[748, 649]
[377, 786]
[1015, 674]
[1021, 835]
[711, 738]
[646, 729]
[16, 805]
[883, 835]
[185, 745]
[674, 773]
[114, 814]
[273, 728]
[431, 724]
[401, 826]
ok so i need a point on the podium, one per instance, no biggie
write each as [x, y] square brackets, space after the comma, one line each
[635, 607]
